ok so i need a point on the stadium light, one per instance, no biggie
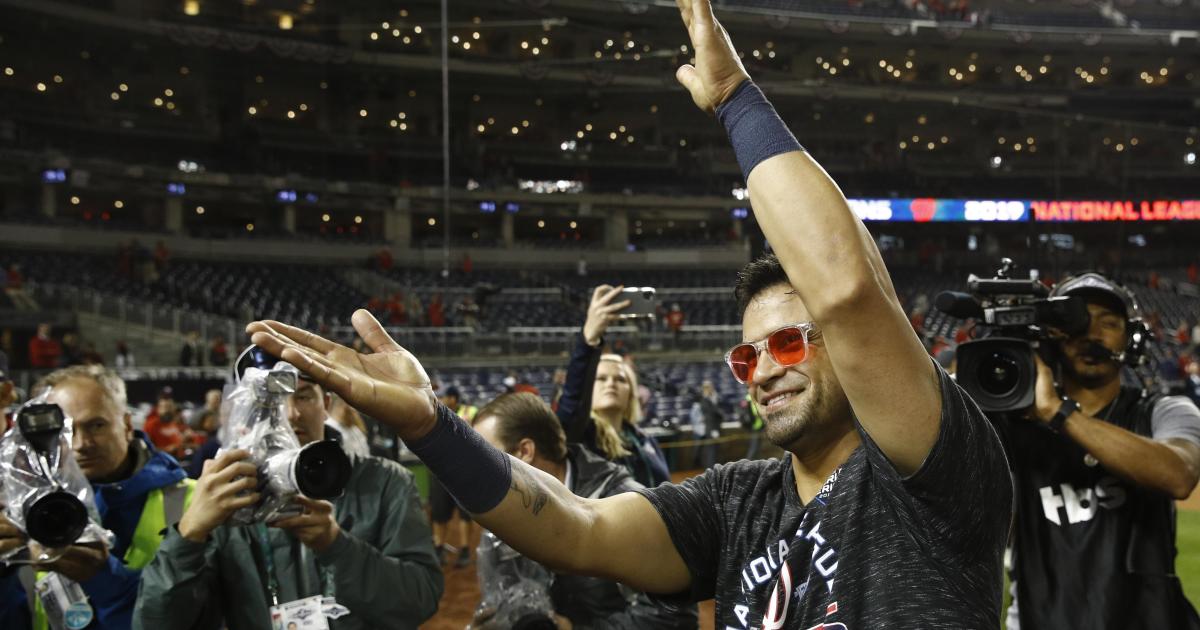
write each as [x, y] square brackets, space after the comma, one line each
[1189, 158]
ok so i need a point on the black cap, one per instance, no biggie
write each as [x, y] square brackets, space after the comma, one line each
[1092, 286]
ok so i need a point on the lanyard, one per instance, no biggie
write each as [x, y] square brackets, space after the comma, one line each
[325, 574]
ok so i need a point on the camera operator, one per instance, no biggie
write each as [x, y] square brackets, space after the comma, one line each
[1095, 533]
[523, 426]
[892, 506]
[139, 491]
[370, 548]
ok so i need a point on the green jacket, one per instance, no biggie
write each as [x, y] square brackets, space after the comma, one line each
[383, 565]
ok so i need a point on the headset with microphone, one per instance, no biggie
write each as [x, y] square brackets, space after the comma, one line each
[1137, 332]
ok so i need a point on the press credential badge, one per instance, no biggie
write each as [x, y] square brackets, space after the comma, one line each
[65, 603]
[310, 613]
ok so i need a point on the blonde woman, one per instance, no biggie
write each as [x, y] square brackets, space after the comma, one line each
[599, 406]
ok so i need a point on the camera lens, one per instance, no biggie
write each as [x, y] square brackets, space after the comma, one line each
[999, 374]
[56, 519]
[322, 470]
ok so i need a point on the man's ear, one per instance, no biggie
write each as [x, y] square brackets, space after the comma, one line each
[526, 450]
[128, 420]
[327, 399]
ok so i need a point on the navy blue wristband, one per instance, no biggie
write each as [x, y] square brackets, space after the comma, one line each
[476, 474]
[755, 129]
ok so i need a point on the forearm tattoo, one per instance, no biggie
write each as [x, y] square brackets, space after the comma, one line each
[533, 494]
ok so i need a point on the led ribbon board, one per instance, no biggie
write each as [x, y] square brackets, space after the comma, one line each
[928, 209]
[1117, 210]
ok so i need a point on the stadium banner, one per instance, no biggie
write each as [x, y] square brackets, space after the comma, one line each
[1117, 210]
[929, 209]
[1016, 210]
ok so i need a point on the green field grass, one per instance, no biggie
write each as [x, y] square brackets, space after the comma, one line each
[1187, 565]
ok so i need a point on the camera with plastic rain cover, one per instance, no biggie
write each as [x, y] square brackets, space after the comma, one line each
[1016, 317]
[257, 422]
[514, 588]
[43, 490]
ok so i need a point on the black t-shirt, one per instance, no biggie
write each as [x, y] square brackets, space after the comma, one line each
[871, 550]
[1090, 549]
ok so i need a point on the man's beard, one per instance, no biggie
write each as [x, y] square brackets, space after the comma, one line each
[1093, 375]
[790, 425]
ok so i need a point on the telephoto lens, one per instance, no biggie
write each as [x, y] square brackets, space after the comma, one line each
[53, 516]
[55, 519]
[318, 471]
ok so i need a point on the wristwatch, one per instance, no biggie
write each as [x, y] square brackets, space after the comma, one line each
[1065, 410]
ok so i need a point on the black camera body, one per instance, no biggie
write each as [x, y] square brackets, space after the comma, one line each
[999, 369]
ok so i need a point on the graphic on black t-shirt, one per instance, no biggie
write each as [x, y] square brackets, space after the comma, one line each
[872, 549]
[807, 554]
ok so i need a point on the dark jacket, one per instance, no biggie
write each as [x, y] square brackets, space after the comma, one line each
[382, 564]
[602, 604]
[646, 462]
[113, 590]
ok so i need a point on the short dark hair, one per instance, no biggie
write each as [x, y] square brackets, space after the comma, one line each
[522, 415]
[756, 277]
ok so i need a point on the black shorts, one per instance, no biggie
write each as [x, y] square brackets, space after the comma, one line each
[441, 504]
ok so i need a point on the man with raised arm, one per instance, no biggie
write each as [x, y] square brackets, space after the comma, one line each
[890, 508]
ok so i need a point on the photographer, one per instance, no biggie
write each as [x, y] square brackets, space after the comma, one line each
[139, 491]
[523, 426]
[1098, 470]
[370, 548]
[892, 506]
[599, 406]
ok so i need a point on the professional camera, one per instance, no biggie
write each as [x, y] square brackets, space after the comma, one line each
[258, 423]
[515, 587]
[43, 490]
[999, 370]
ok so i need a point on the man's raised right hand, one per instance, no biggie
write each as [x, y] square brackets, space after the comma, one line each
[388, 384]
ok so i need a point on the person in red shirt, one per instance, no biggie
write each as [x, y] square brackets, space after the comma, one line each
[14, 286]
[675, 319]
[962, 334]
[8, 393]
[395, 309]
[218, 353]
[437, 311]
[14, 279]
[44, 350]
[165, 428]
[162, 256]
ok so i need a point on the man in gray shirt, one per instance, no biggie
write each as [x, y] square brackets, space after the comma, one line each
[1097, 469]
